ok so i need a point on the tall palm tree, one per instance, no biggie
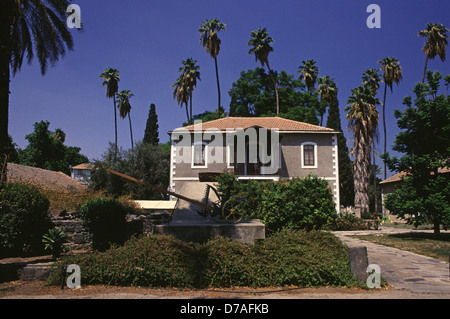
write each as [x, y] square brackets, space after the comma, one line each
[191, 75]
[210, 40]
[261, 47]
[436, 43]
[28, 28]
[327, 91]
[309, 72]
[392, 74]
[124, 106]
[181, 93]
[111, 80]
[363, 120]
[371, 79]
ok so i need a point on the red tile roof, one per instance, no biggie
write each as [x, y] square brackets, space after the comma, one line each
[399, 176]
[264, 122]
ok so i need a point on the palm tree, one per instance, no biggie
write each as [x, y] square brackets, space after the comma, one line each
[111, 80]
[125, 108]
[392, 74]
[371, 79]
[181, 93]
[327, 91]
[28, 28]
[210, 40]
[363, 120]
[190, 76]
[261, 47]
[436, 43]
[309, 72]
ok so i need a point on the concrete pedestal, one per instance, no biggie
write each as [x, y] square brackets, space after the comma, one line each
[197, 231]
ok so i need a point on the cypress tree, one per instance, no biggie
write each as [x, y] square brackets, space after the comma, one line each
[151, 129]
[346, 187]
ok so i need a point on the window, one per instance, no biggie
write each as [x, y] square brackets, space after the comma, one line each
[309, 155]
[199, 155]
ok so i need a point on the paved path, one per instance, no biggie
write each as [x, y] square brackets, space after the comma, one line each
[403, 270]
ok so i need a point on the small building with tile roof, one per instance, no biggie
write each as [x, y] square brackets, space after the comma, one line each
[260, 148]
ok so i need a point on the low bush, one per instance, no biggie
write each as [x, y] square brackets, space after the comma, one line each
[24, 219]
[157, 261]
[345, 222]
[303, 203]
[290, 257]
[104, 219]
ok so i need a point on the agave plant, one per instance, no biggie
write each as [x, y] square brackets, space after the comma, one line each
[54, 241]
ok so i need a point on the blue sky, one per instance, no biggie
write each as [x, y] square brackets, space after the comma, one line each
[147, 40]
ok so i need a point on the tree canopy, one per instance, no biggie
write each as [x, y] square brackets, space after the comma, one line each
[424, 196]
[46, 150]
[253, 95]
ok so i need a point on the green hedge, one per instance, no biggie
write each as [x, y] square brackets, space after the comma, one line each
[304, 203]
[290, 257]
[104, 219]
[24, 219]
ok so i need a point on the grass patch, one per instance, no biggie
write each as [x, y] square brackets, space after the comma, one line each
[290, 257]
[426, 244]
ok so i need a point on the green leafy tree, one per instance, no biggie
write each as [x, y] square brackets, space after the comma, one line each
[447, 81]
[435, 44]
[252, 95]
[146, 162]
[111, 80]
[124, 106]
[151, 135]
[261, 48]
[188, 81]
[363, 120]
[424, 195]
[27, 29]
[346, 184]
[45, 150]
[392, 74]
[209, 39]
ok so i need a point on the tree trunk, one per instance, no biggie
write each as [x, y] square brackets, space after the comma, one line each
[425, 70]
[190, 104]
[131, 131]
[115, 126]
[276, 88]
[374, 178]
[384, 128]
[5, 75]
[219, 106]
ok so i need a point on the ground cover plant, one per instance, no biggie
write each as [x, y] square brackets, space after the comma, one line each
[290, 257]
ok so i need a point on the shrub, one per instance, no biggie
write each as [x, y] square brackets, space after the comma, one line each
[104, 219]
[305, 203]
[24, 219]
[289, 257]
[346, 221]
[157, 261]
